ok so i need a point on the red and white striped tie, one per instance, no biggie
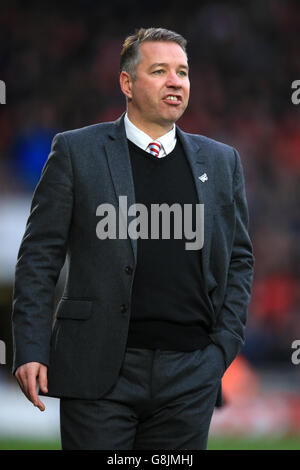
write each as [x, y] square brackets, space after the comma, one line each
[154, 148]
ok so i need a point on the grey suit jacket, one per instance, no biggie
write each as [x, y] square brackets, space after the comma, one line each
[85, 345]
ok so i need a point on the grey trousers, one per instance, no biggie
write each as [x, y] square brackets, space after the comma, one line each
[161, 400]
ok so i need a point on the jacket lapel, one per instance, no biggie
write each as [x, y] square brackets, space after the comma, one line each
[121, 172]
[198, 154]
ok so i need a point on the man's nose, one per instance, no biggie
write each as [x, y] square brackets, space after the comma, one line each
[173, 80]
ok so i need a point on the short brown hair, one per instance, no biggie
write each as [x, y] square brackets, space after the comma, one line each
[130, 54]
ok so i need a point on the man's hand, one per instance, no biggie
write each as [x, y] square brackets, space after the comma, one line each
[26, 376]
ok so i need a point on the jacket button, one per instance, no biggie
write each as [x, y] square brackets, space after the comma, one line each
[128, 270]
[123, 308]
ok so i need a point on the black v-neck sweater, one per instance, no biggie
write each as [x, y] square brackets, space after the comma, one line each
[168, 308]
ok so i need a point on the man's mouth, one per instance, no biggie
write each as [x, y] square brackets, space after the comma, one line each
[172, 99]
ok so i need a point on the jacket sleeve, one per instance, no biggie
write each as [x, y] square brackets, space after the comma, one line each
[229, 331]
[41, 257]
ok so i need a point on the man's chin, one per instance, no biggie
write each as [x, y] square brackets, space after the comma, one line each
[174, 113]
[172, 118]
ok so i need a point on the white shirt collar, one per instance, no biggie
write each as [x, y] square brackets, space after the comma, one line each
[142, 140]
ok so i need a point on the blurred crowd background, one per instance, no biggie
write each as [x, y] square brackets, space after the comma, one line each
[60, 63]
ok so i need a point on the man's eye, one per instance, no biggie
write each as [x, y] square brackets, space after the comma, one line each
[182, 73]
[159, 72]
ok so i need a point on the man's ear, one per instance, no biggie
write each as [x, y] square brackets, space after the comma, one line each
[126, 84]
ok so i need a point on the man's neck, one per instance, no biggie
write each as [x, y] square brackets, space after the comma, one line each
[153, 130]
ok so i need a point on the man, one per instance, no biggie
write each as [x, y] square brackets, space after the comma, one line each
[145, 328]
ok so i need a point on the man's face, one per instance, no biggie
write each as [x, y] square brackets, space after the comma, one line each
[159, 95]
